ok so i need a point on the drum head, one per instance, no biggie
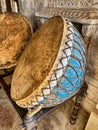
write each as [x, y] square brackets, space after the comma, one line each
[38, 59]
[15, 34]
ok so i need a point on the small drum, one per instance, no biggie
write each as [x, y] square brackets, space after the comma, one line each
[15, 34]
[52, 67]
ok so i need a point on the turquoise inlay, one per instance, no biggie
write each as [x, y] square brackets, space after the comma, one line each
[79, 41]
[61, 93]
[81, 53]
[78, 47]
[43, 102]
[74, 62]
[82, 50]
[78, 35]
[74, 89]
[78, 83]
[79, 72]
[56, 99]
[65, 87]
[65, 83]
[82, 74]
[73, 80]
[77, 54]
[68, 88]
[70, 73]
[76, 32]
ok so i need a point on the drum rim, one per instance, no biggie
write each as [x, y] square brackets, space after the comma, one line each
[53, 105]
[8, 66]
[64, 39]
[15, 61]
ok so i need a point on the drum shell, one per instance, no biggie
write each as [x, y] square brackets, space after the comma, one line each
[68, 76]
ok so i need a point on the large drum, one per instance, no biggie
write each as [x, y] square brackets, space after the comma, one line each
[15, 32]
[52, 67]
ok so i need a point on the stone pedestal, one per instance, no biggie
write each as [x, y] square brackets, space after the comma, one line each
[90, 34]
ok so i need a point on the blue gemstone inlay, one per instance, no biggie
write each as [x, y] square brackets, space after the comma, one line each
[78, 47]
[61, 93]
[70, 73]
[74, 62]
[77, 54]
[76, 32]
[80, 42]
[65, 83]
[43, 102]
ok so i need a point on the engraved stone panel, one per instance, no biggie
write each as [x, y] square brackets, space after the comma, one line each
[95, 4]
[70, 3]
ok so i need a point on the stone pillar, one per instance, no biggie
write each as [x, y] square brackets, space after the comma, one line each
[90, 34]
[92, 123]
[0, 7]
[46, 3]
[14, 6]
[3, 5]
[27, 8]
[8, 6]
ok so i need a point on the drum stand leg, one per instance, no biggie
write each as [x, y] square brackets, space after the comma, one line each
[30, 120]
[82, 93]
[6, 73]
[29, 124]
[33, 116]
